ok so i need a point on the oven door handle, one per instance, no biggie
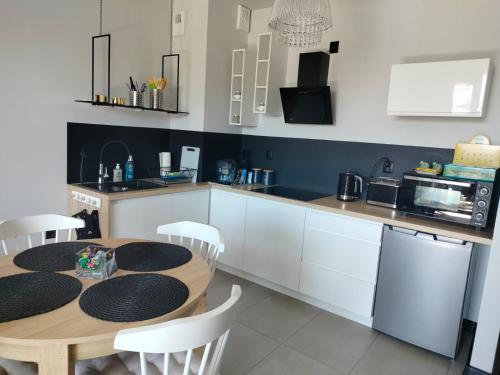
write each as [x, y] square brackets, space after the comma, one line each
[433, 180]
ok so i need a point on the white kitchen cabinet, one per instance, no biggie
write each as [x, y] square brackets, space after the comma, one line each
[445, 88]
[227, 212]
[340, 261]
[273, 241]
[140, 217]
[191, 206]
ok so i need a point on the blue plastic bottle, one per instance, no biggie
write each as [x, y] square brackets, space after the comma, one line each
[129, 169]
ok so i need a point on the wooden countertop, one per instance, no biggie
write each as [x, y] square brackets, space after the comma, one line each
[358, 209]
[168, 189]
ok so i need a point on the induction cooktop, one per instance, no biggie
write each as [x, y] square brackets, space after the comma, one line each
[291, 193]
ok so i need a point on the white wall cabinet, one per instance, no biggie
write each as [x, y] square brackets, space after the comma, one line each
[273, 241]
[139, 217]
[445, 88]
[340, 261]
[227, 212]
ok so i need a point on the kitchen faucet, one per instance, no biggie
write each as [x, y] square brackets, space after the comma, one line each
[103, 172]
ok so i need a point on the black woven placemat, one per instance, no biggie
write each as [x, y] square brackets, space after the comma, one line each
[133, 298]
[54, 257]
[34, 293]
[151, 256]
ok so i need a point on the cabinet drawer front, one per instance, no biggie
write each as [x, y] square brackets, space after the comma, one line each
[344, 225]
[347, 255]
[337, 289]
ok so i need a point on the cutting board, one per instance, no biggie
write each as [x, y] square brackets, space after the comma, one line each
[190, 158]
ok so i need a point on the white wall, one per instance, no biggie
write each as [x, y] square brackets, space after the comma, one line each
[222, 39]
[193, 50]
[488, 328]
[374, 35]
[45, 65]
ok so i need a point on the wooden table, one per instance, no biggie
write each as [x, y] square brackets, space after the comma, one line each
[57, 339]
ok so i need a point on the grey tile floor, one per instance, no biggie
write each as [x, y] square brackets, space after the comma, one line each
[278, 335]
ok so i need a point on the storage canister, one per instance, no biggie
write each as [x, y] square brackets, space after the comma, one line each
[257, 175]
[268, 177]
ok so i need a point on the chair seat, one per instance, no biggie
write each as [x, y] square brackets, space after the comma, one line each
[10, 367]
[128, 363]
[125, 363]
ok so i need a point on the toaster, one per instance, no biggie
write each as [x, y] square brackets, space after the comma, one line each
[383, 191]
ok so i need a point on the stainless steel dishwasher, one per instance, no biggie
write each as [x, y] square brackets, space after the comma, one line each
[421, 288]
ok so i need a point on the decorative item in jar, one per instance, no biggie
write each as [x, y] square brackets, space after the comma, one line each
[237, 94]
[236, 119]
[261, 107]
[95, 262]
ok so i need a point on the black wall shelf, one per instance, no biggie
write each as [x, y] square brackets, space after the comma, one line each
[129, 106]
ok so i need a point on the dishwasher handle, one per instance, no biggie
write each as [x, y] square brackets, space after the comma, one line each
[427, 236]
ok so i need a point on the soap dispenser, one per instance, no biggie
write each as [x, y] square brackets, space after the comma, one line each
[117, 173]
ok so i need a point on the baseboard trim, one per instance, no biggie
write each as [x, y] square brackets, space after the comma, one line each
[473, 371]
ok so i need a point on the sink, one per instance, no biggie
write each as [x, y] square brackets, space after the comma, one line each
[117, 187]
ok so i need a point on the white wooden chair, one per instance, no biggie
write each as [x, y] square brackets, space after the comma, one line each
[40, 224]
[170, 346]
[203, 239]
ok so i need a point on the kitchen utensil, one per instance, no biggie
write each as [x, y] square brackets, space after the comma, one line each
[350, 186]
[132, 85]
[383, 191]
[190, 158]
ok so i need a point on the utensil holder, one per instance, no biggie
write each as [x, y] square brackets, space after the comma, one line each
[135, 98]
[155, 98]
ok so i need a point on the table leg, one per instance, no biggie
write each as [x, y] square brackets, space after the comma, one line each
[55, 359]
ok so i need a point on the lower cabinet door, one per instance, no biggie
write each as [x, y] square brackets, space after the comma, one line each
[337, 289]
[191, 206]
[273, 241]
[227, 212]
[140, 217]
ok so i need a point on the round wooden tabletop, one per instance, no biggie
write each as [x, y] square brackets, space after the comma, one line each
[89, 337]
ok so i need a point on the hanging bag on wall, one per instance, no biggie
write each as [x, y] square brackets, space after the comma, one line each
[91, 229]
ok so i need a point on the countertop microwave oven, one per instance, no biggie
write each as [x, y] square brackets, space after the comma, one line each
[460, 201]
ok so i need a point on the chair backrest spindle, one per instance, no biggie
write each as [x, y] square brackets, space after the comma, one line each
[183, 336]
[210, 238]
[26, 226]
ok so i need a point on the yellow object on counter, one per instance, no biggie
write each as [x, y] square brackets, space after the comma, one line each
[477, 155]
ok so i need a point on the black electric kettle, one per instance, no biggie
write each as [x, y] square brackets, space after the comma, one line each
[350, 186]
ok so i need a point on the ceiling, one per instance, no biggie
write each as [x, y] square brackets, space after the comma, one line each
[255, 4]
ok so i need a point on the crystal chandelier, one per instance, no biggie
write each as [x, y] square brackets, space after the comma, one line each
[299, 23]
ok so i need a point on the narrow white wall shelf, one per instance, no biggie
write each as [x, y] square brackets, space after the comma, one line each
[237, 75]
[264, 42]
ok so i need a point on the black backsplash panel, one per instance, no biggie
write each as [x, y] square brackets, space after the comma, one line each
[302, 163]
[144, 144]
[315, 164]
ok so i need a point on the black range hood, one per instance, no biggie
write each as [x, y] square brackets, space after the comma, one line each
[310, 102]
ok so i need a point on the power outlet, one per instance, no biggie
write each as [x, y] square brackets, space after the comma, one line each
[388, 166]
[269, 155]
